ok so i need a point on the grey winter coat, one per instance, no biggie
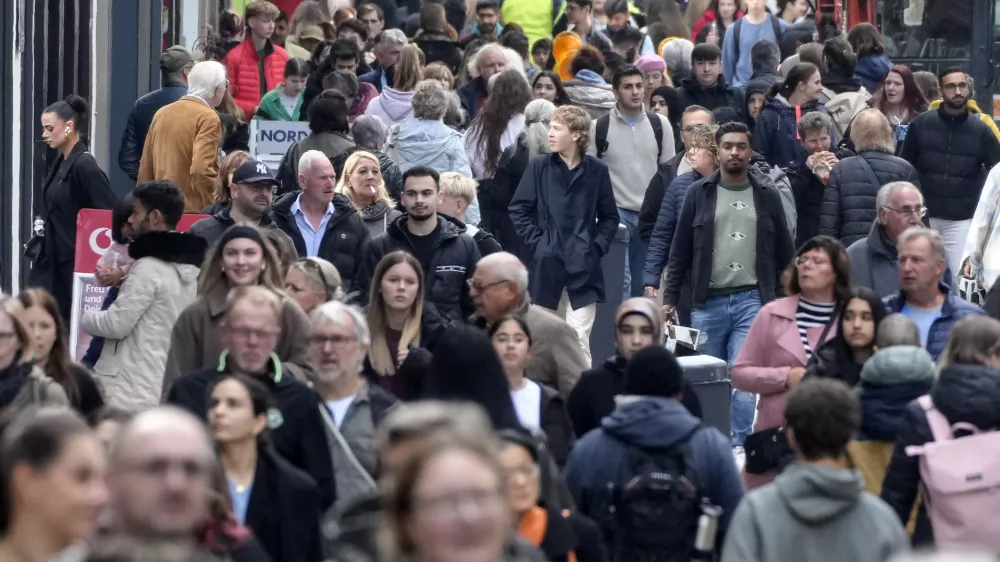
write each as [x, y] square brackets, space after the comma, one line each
[814, 512]
[874, 263]
[596, 97]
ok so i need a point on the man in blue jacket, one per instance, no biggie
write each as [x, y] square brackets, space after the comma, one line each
[175, 65]
[651, 419]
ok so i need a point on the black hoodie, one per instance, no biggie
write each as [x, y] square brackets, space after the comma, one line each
[719, 95]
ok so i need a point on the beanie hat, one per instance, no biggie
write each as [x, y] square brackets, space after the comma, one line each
[651, 63]
[241, 231]
[653, 371]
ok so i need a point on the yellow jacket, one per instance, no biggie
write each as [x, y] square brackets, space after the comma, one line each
[974, 108]
[871, 459]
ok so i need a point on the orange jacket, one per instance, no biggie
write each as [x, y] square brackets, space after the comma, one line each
[244, 74]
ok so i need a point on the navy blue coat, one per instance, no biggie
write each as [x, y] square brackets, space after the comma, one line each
[775, 136]
[953, 310]
[139, 119]
[653, 199]
[568, 225]
[374, 78]
[469, 96]
[872, 70]
[666, 223]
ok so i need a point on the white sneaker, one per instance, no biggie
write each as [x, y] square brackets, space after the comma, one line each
[740, 457]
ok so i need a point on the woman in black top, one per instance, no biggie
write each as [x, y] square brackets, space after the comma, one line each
[74, 182]
[52, 353]
[843, 355]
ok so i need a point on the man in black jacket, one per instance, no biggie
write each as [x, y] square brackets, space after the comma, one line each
[707, 86]
[295, 424]
[438, 242]
[175, 64]
[321, 223]
[809, 174]
[731, 244]
[849, 199]
[952, 151]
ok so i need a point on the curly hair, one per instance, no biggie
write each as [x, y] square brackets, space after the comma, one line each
[510, 95]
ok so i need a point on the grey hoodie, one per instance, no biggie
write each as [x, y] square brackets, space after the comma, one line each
[814, 514]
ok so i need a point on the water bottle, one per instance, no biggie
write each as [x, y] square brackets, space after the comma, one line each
[708, 528]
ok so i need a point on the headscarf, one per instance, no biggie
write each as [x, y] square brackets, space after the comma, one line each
[644, 307]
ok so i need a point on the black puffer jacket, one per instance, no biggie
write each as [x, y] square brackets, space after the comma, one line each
[952, 155]
[344, 241]
[719, 95]
[963, 393]
[849, 199]
[453, 263]
[808, 192]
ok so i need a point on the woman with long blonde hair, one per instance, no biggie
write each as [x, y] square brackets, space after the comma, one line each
[243, 256]
[362, 183]
[402, 326]
[394, 105]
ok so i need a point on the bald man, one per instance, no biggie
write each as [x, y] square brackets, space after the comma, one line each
[500, 287]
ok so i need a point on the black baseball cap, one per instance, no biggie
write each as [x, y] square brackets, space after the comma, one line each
[253, 171]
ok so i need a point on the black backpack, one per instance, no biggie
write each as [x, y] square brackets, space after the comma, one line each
[601, 133]
[655, 505]
[775, 25]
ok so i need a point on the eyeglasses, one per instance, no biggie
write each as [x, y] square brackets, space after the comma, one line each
[953, 87]
[337, 341]
[907, 210]
[813, 260]
[449, 505]
[480, 288]
[525, 471]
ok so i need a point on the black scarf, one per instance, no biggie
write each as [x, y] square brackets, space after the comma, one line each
[12, 380]
[837, 80]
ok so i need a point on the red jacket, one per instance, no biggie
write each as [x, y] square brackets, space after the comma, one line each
[244, 74]
[706, 19]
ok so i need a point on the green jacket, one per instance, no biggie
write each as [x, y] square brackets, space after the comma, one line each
[271, 108]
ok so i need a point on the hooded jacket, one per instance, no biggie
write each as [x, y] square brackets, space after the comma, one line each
[343, 243]
[590, 92]
[761, 85]
[163, 281]
[849, 198]
[452, 265]
[963, 393]
[420, 142]
[650, 423]
[775, 135]
[814, 513]
[712, 97]
[393, 106]
[871, 70]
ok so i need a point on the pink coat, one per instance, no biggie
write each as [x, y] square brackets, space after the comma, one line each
[771, 349]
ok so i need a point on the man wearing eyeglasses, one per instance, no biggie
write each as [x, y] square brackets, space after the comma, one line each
[250, 330]
[875, 259]
[952, 150]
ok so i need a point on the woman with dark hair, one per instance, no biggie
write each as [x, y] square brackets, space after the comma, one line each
[843, 94]
[843, 356]
[51, 484]
[588, 89]
[284, 102]
[74, 182]
[497, 126]
[791, 11]
[722, 13]
[538, 407]
[783, 337]
[873, 63]
[548, 85]
[776, 135]
[929, 84]
[52, 353]
[900, 100]
[329, 132]
[277, 501]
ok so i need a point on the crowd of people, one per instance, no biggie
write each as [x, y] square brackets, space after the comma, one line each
[381, 349]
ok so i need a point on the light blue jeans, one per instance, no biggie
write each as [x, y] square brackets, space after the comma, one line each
[635, 260]
[726, 321]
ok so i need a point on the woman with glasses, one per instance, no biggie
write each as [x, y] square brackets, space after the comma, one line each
[312, 281]
[275, 500]
[362, 184]
[240, 258]
[783, 337]
[403, 326]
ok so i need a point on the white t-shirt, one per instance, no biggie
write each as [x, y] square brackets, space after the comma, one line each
[338, 408]
[288, 101]
[528, 403]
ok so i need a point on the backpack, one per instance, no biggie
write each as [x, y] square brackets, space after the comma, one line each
[775, 26]
[601, 133]
[961, 480]
[655, 504]
[842, 108]
[777, 178]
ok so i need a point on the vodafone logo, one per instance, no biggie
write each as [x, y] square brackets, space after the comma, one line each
[99, 236]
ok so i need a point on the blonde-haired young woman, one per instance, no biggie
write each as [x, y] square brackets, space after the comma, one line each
[362, 183]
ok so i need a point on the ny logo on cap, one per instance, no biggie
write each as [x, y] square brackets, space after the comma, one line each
[261, 168]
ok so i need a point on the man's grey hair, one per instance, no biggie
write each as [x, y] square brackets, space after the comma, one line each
[813, 122]
[934, 237]
[429, 101]
[765, 55]
[508, 267]
[309, 158]
[896, 329]
[370, 132]
[473, 66]
[338, 314]
[205, 77]
[886, 191]
[677, 54]
[392, 37]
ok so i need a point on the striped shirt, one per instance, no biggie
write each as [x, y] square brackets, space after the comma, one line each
[811, 315]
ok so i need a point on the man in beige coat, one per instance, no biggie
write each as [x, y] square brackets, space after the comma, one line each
[183, 140]
[500, 287]
[162, 282]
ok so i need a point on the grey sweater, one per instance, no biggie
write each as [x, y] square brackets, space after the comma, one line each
[814, 514]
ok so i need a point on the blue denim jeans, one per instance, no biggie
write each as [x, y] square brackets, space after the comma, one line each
[726, 320]
[635, 260]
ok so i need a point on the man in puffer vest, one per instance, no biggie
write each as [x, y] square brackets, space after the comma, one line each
[257, 66]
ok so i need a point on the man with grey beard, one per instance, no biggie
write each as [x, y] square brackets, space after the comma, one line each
[351, 408]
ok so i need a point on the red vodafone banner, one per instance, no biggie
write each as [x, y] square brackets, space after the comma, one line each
[93, 238]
